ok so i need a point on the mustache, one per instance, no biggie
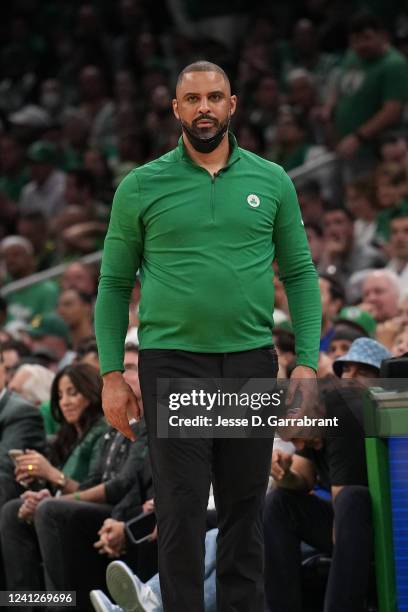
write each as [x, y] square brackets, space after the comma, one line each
[205, 118]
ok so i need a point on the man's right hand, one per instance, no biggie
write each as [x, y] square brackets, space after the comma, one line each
[281, 464]
[120, 404]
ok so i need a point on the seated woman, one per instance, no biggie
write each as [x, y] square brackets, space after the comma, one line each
[75, 404]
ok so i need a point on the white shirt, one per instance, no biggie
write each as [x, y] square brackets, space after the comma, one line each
[47, 198]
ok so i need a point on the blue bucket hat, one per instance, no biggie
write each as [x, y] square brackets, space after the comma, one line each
[363, 350]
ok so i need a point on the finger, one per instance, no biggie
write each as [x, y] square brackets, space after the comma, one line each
[279, 473]
[133, 410]
[276, 470]
[119, 420]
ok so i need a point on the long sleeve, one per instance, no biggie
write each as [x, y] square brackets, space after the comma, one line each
[85, 456]
[117, 488]
[121, 259]
[298, 275]
[21, 426]
[131, 504]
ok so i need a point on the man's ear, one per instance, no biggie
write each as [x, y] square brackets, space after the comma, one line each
[175, 109]
[233, 108]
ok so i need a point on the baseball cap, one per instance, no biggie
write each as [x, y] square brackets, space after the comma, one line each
[359, 318]
[42, 152]
[48, 325]
[363, 350]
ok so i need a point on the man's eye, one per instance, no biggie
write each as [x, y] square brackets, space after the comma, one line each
[215, 97]
[192, 99]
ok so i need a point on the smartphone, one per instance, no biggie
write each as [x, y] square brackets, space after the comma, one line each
[13, 453]
[139, 529]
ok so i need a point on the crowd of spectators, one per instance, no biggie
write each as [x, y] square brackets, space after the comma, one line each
[85, 96]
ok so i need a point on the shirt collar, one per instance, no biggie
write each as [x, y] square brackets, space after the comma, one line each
[233, 157]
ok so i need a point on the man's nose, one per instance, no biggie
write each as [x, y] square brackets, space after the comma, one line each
[204, 108]
[351, 373]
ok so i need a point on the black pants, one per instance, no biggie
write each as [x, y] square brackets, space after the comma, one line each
[291, 517]
[56, 552]
[182, 472]
[9, 489]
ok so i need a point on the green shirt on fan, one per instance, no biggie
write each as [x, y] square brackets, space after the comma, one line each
[205, 246]
[365, 85]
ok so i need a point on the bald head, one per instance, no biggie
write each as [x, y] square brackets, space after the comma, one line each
[202, 66]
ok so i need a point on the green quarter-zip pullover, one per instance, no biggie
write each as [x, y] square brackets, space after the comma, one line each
[205, 246]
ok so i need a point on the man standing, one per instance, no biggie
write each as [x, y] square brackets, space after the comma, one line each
[204, 224]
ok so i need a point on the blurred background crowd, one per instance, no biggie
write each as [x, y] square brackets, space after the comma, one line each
[85, 96]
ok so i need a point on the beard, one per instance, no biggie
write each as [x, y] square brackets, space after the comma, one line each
[205, 140]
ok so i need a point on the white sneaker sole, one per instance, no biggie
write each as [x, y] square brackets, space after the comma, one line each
[122, 587]
[98, 602]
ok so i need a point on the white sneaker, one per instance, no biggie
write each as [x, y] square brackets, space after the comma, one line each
[129, 592]
[102, 603]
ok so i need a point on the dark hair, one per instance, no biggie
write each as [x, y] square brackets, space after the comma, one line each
[86, 381]
[202, 66]
[336, 289]
[284, 340]
[315, 227]
[398, 213]
[344, 331]
[345, 211]
[85, 346]
[365, 20]
[84, 297]
[84, 179]
[21, 349]
[131, 347]
[310, 188]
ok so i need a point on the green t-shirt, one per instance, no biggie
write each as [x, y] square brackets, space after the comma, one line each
[384, 217]
[292, 160]
[205, 247]
[24, 304]
[365, 85]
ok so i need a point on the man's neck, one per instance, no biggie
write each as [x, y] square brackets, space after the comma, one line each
[213, 162]
[400, 264]
[23, 274]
